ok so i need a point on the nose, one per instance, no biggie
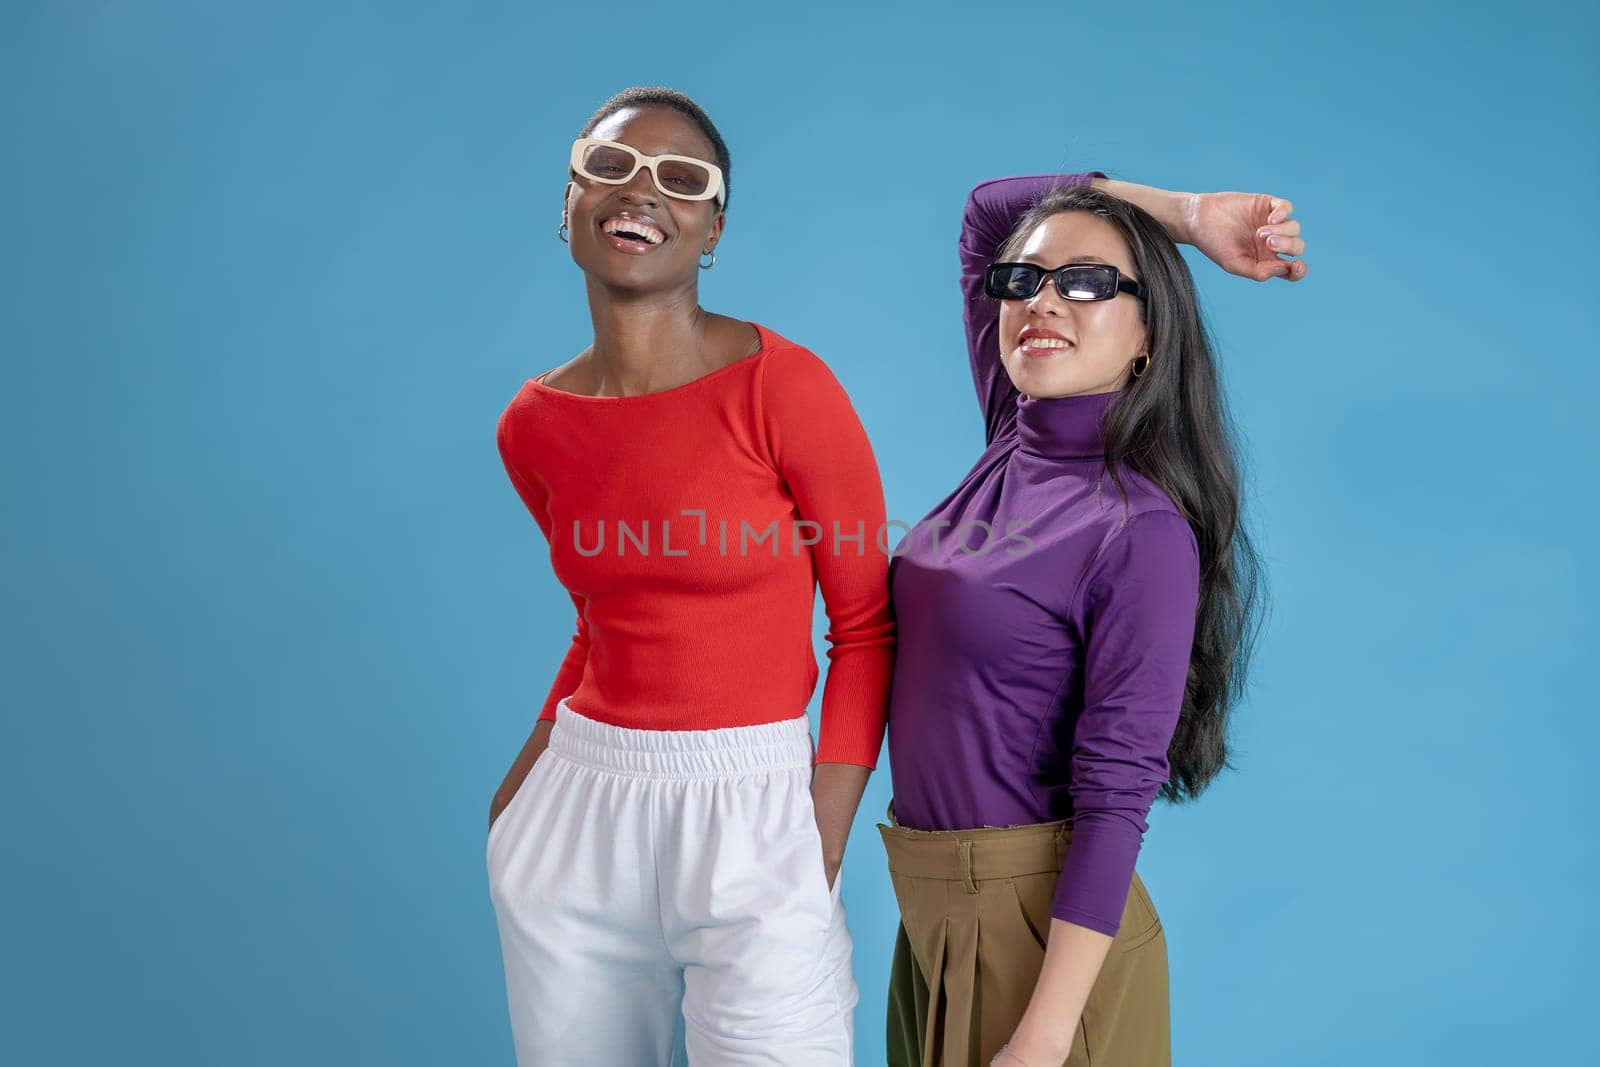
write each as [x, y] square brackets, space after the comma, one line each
[641, 189]
[1048, 300]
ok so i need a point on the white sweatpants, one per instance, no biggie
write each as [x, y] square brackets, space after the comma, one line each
[644, 879]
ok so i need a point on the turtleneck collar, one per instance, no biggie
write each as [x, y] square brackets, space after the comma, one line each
[1064, 427]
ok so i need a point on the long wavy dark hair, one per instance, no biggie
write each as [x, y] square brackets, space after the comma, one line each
[1173, 427]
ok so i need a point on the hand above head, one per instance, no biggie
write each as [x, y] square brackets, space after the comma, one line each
[1247, 234]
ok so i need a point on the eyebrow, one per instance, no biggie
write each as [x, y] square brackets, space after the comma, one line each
[1086, 259]
[1069, 261]
[668, 152]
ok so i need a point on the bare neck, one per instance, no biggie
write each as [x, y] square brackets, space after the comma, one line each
[647, 344]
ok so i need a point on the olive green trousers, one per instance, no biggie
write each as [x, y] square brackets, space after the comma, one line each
[975, 915]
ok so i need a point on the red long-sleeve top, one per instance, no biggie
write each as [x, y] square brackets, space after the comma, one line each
[692, 528]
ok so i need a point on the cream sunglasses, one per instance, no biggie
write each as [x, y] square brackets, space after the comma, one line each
[681, 177]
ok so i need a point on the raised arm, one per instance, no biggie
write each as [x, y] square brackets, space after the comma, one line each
[1252, 235]
[993, 210]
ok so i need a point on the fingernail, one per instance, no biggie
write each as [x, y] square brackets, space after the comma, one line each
[1273, 242]
[1264, 232]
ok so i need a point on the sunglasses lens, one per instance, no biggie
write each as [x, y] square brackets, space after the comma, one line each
[679, 178]
[607, 164]
[1087, 283]
[1012, 281]
[675, 177]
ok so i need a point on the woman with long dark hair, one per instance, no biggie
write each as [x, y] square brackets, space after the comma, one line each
[1075, 621]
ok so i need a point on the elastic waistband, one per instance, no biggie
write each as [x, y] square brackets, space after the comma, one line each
[684, 754]
[974, 855]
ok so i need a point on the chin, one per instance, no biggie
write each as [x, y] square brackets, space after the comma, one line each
[1046, 383]
[629, 277]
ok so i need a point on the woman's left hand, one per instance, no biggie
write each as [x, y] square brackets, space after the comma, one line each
[1246, 234]
[1035, 1045]
[1007, 1057]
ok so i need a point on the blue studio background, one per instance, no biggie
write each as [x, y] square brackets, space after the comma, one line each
[276, 623]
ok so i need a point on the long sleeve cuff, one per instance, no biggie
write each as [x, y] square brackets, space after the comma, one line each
[1094, 883]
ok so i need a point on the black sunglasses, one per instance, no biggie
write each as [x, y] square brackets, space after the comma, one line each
[1075, 281]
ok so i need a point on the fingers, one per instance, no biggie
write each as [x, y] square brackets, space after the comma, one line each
[1282, 235]
[1288, 269]
[1266, 269]
[1283, 238]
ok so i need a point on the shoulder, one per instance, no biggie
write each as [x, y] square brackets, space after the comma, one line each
[1148, 556]
[1150, 539]
[791, 372]
[519, 404]
[802, 409]
[1158, 529]
[1147, 522]
[520, 418]
[782, 355]
[1146, 497]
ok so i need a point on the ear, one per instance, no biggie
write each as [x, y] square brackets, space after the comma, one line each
[716, 232]
[567, 196]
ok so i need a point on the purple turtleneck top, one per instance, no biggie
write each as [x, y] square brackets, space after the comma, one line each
[1045, 623]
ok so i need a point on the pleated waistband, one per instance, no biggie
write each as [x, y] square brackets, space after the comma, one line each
[974, 855]
[682, 754]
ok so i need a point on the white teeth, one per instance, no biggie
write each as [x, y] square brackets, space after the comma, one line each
[1045, 342]
[650, 233]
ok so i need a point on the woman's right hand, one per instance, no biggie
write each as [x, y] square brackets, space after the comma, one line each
[532, 749]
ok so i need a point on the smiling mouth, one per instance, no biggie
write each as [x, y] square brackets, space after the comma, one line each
[633, 234]
[1043, 346]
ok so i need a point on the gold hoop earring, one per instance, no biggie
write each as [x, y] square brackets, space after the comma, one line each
[562, 232]
[1140, 367]
[707, 266]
